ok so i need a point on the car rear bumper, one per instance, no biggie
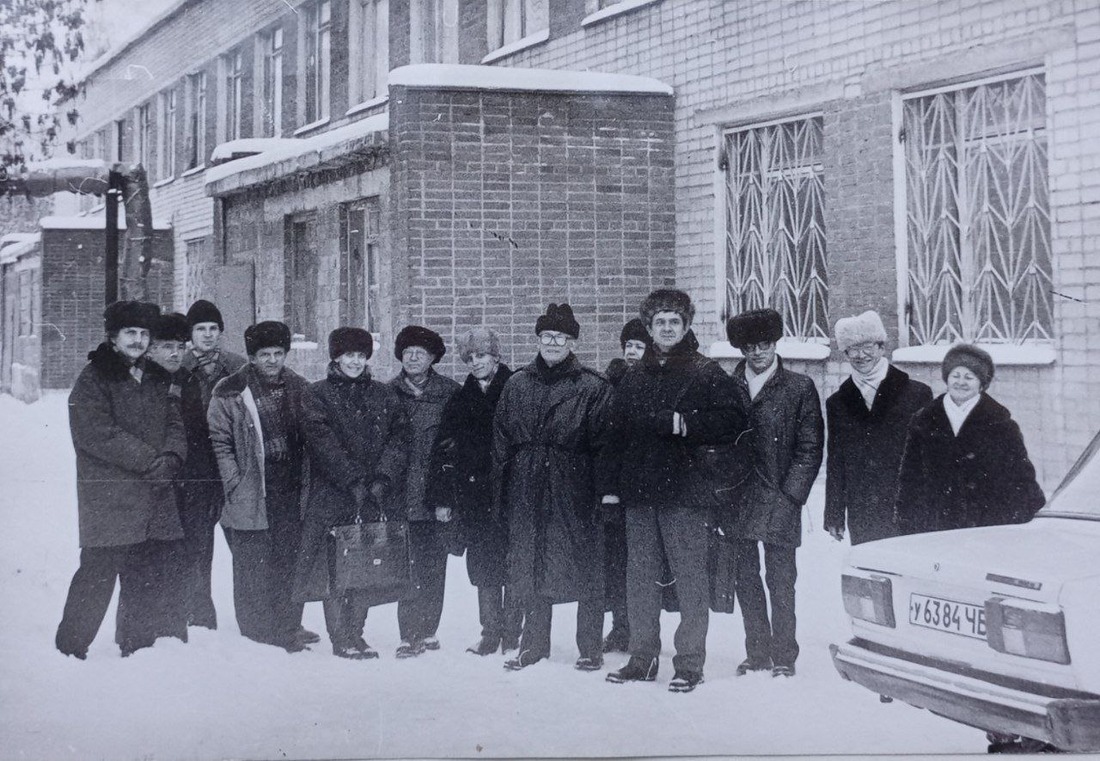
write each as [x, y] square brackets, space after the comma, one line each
[1071, 724]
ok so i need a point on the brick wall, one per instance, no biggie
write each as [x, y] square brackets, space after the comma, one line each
[511, 200]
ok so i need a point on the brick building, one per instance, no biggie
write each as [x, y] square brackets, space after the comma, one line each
[935, 161]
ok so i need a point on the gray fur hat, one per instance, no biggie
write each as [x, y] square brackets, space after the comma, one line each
[479, 340]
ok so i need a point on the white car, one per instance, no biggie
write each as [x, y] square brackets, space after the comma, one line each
[995, 627]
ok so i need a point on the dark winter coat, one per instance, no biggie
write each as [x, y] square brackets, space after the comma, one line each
[461, 475]
[787, 441]
[119, 427]
[237, 440]
[550, 428]
[652, 464]
[982, 477]
[197, 389]
[865, 448]
[356, 432]
[424, 413]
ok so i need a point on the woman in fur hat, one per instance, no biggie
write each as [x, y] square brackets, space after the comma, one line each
[965, 463]
[867, 419]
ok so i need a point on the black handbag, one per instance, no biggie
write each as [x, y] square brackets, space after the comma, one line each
[373, 557]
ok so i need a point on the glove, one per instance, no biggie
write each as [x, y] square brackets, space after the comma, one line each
[165, 467]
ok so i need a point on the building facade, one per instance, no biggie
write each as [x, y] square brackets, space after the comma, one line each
[934, 161]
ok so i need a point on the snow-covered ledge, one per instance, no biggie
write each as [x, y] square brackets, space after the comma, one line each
[472, 77]
[618, 9]
[1035, 354]
[529, 41]
[787, 348]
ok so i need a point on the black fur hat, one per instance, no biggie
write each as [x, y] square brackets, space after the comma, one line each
[130, 314]
[667, 300]
[347, 339]
[559, 317]
[973, 359]
[754, 327]
[204, 311]
[171, 327]
[267, 334]
[416, 335]
[635, 331]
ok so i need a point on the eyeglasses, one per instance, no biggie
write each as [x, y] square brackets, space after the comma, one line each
[553, 339]
[862, 350]
[415, 353]
[762, 346]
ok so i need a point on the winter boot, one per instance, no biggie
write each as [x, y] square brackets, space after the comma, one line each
[346, 650]
[485, 646]
[685, 681]
[635, 670]
[508, 644]
[617, 640]
[430, 642]
[523, 660]
[586, 663]
[752, 664]
[783, 670]
[306, 637]
[360, 645]
[410, 649]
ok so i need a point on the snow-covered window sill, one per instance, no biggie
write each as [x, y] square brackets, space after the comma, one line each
[165, 181]
[312, 126]
[529, 41]
[367, 105]
[787, 348]
[618, 9]
[1003, 354]
[303, 345]
[194, 170]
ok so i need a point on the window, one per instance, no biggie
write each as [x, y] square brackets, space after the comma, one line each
[196, 120]
[359, 270]
[317, 61]
[977, 215]
[26, 307]
[167, 134]
[119, 131]
[775, 225]
[199, 268]
[144, 148]
[433, 25]
[512, 20]
[271, 93]
[300, 281]
[369, 48]
[233, 94]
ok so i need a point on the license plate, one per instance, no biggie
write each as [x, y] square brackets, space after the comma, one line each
[947, 616]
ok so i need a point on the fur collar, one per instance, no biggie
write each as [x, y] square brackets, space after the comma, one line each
[110, 364]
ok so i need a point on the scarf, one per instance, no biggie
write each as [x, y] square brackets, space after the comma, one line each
[416, 387]
[756, 382]
[867, 383]
[271, 404]
[958, 413]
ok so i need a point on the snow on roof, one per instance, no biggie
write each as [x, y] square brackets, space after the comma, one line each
[14, 245]
[504, 78]
[97, 222]
[67, 162]
[304, 151]
[129, 40]
[249, 146]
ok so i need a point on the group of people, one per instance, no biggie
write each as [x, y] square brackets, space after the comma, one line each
[560, 483]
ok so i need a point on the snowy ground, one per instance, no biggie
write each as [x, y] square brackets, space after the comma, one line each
[221, 696]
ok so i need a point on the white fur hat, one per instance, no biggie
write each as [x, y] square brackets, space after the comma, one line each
[860, 329]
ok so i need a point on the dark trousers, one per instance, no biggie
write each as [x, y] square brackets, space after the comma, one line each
[680, 535]
[615, 559]
[201, 506]
[766, 639]
[263, 573]
[346, 616]
[147, 609]
[418, 615]
[536, 627]
[499, 616]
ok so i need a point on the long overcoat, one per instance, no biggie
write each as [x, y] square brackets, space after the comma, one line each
[201, 467]
[982, 477]
[549, 430]
[424, 413]
[238, 443]
[787, 441]
[461, 475]
[864, 454]
[119, 425]
[355, 431]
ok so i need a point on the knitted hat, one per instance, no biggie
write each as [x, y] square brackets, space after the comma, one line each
[667, 300]
[753, 327]
[415, 335]
[130, 314]
[559, 318]
[204, 311]
[265, 335]
[973, 359]
[343, 340]
[863, 328]
[635, 331]
[171, 327]
[479, 340]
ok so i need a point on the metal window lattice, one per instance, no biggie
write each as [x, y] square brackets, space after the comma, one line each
[775, 224]
[977, 214]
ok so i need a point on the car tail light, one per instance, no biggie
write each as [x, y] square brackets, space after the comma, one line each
[869, 598]
[1027, 629]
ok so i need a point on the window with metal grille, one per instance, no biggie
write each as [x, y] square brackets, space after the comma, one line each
[977, 262]
[233, 94]
[167, 131]
[196, 119]
[271, 91]
[775, 223]
[317, 43]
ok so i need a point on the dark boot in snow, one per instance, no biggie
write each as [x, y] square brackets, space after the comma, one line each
[635, 670]
[509, 644]
[523, 660]
[617, 640]
[587, 663]
[484, 646]
[307, 637]
[410, 649]
[430, 643]
[752, 664]
[346, 650]
[685, 681]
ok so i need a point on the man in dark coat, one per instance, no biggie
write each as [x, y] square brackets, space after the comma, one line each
[551, 425]
[356, 432]
[461, 480]
[965, 463]
[672, 402]
[784, 415]
[200, 483]
[129, 444]
[866, 421]
[255, 433]
[424, 393]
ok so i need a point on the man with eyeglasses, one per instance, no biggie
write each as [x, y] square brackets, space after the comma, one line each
[550, 429]
[867, 418]
[784, 414]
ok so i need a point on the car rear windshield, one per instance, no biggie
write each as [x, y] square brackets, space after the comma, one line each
[1079, 493]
